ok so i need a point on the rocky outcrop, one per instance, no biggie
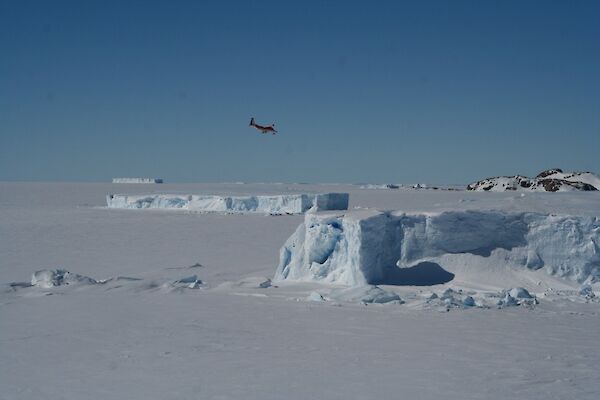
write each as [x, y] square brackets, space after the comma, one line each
[551, 180]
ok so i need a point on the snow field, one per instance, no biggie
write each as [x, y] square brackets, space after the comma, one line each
[144, 333]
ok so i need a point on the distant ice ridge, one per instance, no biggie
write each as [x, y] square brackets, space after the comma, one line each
[373, 247]
[276, 204]
[137, 180]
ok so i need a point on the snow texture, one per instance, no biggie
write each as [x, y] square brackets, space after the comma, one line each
[553, 180]
[372, 247]
[275, 204]
[137, 180]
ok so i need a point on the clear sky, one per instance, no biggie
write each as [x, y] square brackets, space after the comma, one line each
[368, 91]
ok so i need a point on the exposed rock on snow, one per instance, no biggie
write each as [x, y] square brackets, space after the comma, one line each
[583, 177]
[368, 247]
[548, 172]
[137, 180]
[277, 204]
[48, 278]
[552, 180]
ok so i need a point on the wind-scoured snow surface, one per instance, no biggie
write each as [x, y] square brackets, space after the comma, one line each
[359, 247]
[97, 303]
[137, 180]
[274, 204]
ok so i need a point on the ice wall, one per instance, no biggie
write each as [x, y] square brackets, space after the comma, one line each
[137, 180]
[370, 247]
[276, 204]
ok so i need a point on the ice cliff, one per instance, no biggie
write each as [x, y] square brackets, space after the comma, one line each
[372, 247]
[276, 204]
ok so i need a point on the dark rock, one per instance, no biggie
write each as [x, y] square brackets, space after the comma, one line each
[553, 185]
[512, 183]
[549, 172]
[525, 183]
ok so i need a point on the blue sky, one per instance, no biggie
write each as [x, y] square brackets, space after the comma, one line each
[427, 91]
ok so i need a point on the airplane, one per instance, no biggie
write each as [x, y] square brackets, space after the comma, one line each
[263, 129]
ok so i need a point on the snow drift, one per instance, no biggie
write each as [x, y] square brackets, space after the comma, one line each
[137, 180]
[552, 180]
[277, 204]
[373, 247]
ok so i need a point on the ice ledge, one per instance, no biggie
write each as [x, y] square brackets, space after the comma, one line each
[494, 248]
[276, 204]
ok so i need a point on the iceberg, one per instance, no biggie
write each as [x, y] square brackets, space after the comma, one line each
[364, 247]
[137, 180]
[274, 204]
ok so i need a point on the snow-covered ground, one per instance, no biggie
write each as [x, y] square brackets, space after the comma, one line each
[181, 305]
